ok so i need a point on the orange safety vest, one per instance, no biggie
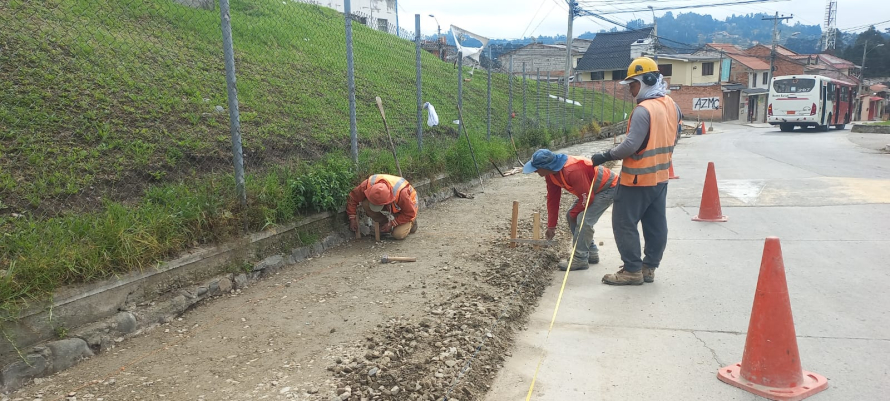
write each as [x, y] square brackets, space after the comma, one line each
[650, 165]
[396, 183]
[602, 178]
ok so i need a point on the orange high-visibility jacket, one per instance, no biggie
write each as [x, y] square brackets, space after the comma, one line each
[649, 166]
[404, 207]
[576, 176]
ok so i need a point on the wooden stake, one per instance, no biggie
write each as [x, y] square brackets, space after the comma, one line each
[376, 231]
[514, 224]
[536, 227]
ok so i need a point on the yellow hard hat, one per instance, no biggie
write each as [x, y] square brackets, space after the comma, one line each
[640, 66]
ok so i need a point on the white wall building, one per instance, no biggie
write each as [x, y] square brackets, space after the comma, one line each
[382, 10]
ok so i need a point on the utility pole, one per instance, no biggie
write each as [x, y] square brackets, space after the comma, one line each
[573, 5]
[772, 55]
[862, 69]
[655, 34]
[439, 37]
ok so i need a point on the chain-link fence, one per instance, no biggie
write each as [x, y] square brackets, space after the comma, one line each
[119, 124]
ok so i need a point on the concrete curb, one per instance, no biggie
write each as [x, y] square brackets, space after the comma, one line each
[109, 312]
[870, 129]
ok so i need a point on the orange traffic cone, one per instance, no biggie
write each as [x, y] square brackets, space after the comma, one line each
[703, 129]
[710, 199]
[771, 364]
[671, 175]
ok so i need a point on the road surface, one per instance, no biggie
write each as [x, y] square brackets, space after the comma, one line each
[825, 195]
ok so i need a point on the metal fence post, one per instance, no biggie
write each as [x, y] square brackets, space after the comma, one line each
[234, 116]
[488, 124]
[565, 106]
[419, 82]
[574, 117]
[603, 104]
[614, 97]
[538, 99]
[524, 85]
[460, 86]
[350, 81]
[548, 101]
[592, 103]
[510, 98]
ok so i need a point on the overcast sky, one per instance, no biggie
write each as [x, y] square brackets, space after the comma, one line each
[511, 18]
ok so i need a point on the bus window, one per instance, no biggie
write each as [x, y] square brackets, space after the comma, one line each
[831, 94]
[844, 93]
[793, 85]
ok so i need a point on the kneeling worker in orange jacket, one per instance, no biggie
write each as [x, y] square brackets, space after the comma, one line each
[382, 195]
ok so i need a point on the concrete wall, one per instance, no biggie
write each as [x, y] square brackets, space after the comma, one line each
[538, 57]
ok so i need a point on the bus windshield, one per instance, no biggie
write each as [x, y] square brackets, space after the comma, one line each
[794, 85]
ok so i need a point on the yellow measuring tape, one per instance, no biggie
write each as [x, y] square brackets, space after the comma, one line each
[561, 291]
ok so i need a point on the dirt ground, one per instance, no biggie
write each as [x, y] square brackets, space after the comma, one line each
[345, 327]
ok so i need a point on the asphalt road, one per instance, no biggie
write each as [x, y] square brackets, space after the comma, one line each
[825, 195]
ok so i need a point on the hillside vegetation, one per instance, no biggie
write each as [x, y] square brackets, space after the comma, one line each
[115, 149]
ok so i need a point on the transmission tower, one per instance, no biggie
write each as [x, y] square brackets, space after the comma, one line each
[829, 31]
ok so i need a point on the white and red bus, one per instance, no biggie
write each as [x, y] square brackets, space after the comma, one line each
[810, 101]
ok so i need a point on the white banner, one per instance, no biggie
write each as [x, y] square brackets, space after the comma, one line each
[706, 103]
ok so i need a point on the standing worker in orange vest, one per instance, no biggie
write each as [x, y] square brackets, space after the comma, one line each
[642, 193]
[578, 176]
[382, 196]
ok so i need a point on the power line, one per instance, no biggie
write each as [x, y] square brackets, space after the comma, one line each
[533, 18]
[856, 28]
[679, 7]
[532, 33]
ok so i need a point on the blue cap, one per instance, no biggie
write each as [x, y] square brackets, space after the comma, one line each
[544, 158]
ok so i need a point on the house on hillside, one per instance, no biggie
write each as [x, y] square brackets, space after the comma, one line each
[610, 53]
[377, 14]
[874, 103]
[544, 58]
[785, 63]
[749, 74]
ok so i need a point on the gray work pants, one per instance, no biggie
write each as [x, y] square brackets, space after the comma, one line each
[585, 243]
[646, 205]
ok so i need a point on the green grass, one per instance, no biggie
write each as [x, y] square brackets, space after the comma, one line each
[112, 156]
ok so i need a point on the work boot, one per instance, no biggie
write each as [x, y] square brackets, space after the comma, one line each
[414, 227]
[593, 258]
[624, 278]
[648, 274]
[576, 265]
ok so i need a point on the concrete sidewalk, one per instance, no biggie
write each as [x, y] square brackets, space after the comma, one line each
[666, 341]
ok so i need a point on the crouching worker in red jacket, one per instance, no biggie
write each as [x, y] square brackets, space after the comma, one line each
[578, 176]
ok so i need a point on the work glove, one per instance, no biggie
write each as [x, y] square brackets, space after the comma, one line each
[386, 227]
[353, 223]
[601, 157]
[550, 233]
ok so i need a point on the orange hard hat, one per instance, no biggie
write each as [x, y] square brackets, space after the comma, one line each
[380, 194]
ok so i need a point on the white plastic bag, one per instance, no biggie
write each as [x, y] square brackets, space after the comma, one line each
[432, 118]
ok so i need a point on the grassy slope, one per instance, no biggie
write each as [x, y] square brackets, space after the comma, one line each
[108, 123]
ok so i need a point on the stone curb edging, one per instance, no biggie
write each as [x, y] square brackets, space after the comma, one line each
[870, 129]
[133, 319]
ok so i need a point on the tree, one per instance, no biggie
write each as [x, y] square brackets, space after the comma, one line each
[877, 63]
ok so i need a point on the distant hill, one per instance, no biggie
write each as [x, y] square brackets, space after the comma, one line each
[688, 31]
